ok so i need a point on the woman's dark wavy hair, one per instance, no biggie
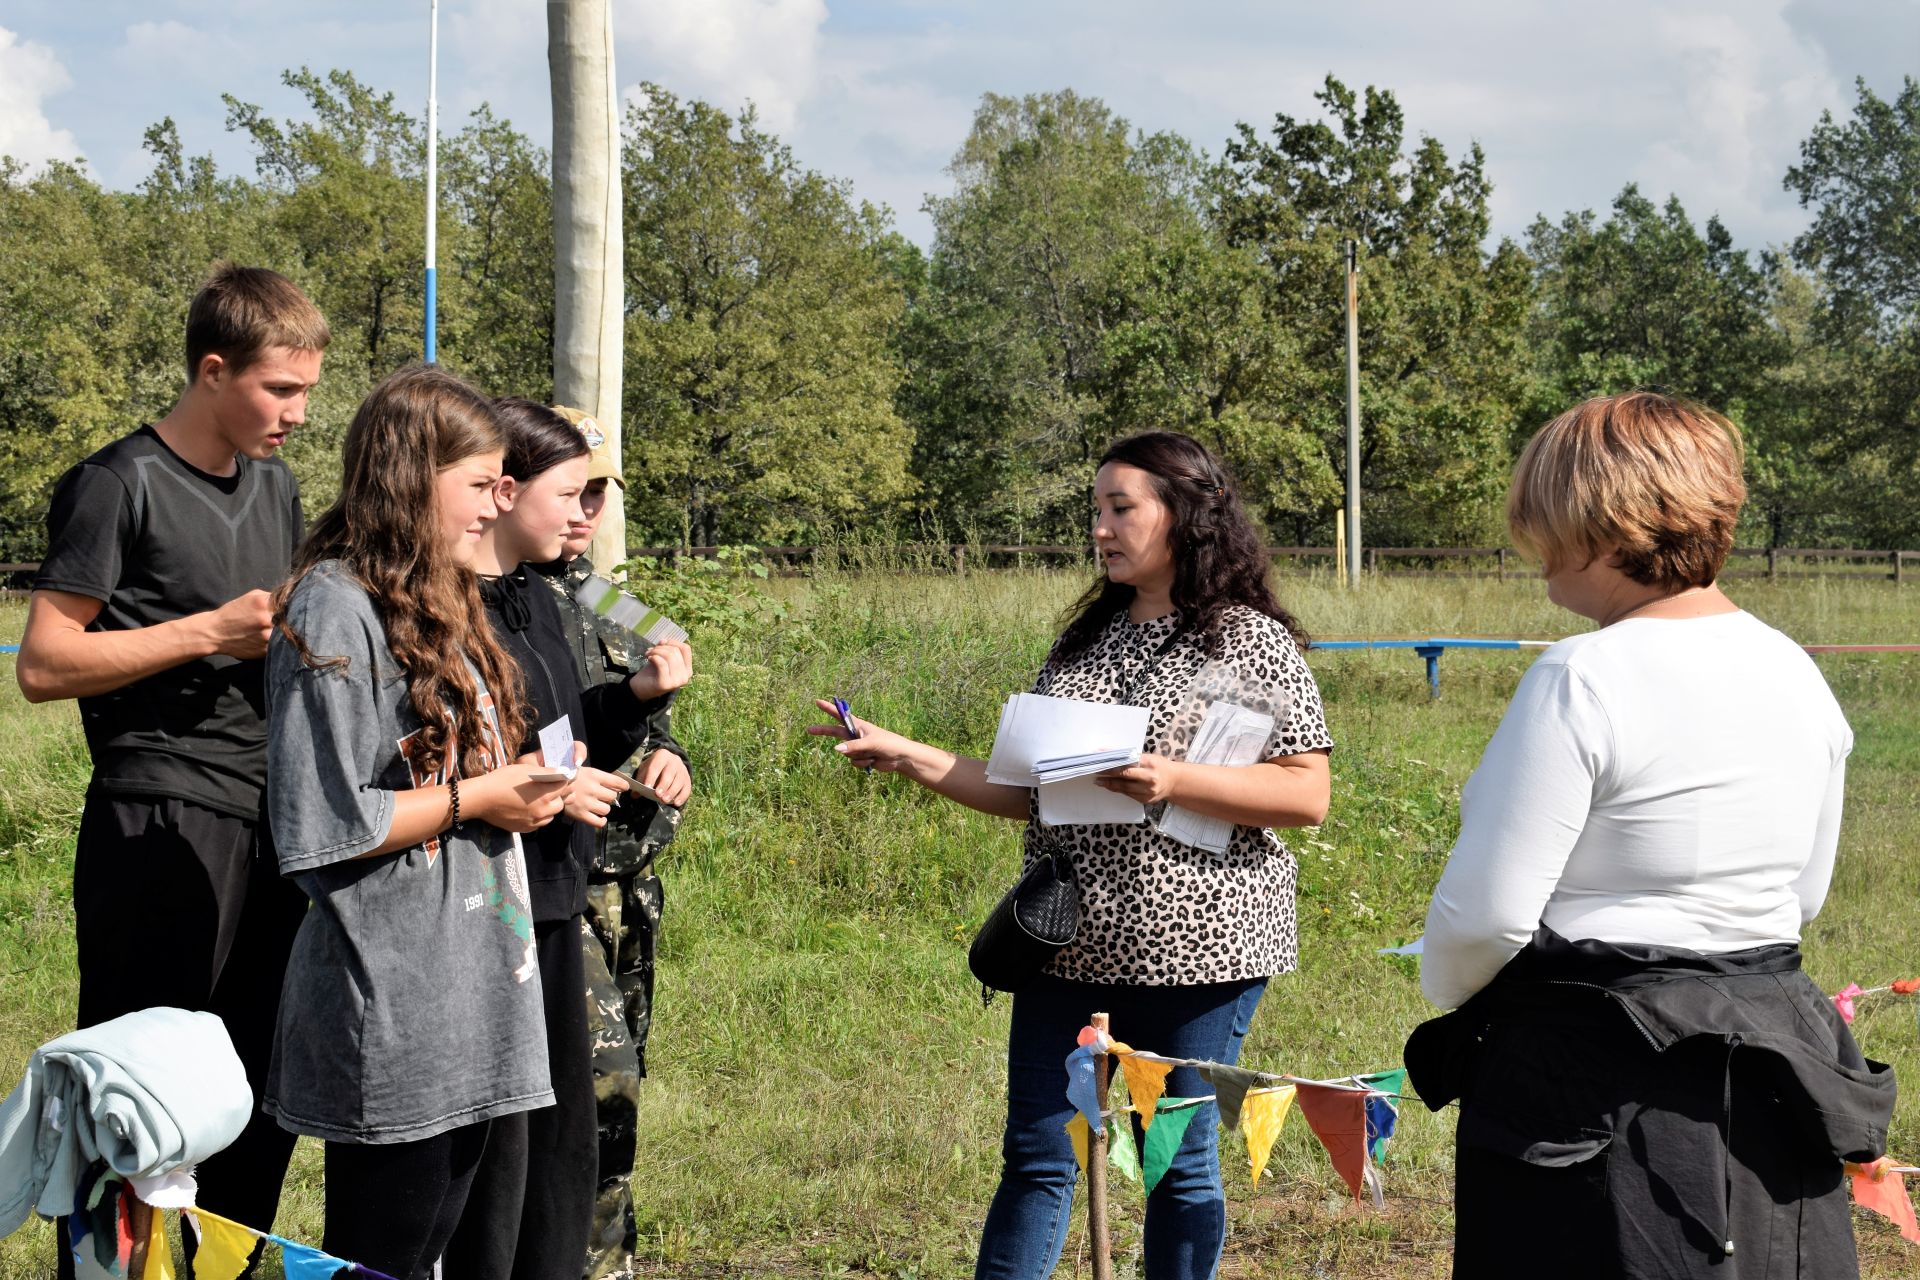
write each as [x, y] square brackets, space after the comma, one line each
[538, 439]
[1219, 558]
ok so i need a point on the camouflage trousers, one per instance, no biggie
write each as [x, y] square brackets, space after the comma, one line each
[618, 934]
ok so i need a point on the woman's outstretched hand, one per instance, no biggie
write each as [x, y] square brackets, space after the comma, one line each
[875, 748]
[1150, 781]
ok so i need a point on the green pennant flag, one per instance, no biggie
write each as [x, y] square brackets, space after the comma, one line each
[1383, 1113]
[1171, 1116]
[1120, 1152]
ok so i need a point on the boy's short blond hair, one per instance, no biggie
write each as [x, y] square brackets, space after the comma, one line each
[1656, 478]
[243, 311]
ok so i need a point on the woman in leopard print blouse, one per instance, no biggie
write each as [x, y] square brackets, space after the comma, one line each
[1176, 942]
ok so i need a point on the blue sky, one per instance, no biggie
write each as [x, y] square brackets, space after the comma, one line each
[1708, 99]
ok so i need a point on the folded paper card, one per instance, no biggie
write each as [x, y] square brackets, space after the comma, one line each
[557, 746]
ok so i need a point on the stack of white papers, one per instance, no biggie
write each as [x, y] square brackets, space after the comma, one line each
[1056, 744]
[1232, 735]
[1063, 768]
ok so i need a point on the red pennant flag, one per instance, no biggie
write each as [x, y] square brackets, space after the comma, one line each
[1339, 1120]
[1888, 1198]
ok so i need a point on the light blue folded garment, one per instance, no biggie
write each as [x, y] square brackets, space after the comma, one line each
[149, 1093]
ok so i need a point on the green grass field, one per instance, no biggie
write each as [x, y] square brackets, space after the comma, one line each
[827, 1088]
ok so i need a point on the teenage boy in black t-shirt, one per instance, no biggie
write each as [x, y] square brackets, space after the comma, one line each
[152, 608]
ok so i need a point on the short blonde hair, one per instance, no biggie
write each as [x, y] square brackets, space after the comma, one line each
[1656, 477]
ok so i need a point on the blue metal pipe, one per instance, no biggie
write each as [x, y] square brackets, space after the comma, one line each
[433, 307]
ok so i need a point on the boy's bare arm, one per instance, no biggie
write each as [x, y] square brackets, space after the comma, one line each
[60, 658]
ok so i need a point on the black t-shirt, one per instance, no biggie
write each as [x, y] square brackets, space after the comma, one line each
[153, 539]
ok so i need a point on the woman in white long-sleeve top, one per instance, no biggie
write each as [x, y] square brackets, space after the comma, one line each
[1649, 1086]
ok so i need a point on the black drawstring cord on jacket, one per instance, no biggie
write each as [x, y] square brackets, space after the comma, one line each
[1726, 1146]
[503, 592]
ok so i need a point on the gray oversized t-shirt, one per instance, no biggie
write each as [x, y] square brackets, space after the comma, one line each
[412, 1001]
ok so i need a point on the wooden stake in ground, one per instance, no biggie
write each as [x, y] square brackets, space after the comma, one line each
[1097, 1236]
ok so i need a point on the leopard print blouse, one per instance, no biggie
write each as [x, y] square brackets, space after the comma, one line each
[1152, 910]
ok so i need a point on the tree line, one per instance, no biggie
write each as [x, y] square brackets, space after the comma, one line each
[796, 368]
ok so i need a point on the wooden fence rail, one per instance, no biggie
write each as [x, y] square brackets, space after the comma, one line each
[1503, 561]
[1499, 562]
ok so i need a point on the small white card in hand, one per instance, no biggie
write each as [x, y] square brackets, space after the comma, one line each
[556, 746]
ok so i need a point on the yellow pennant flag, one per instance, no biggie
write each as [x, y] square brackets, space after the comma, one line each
[159, 1255]
[1261, 1117]
[225, 1247]
[1077, 1133]
[1146, 1081]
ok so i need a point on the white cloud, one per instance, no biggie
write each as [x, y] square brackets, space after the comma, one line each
[729, 52]
[29, 74]
[1751, 89]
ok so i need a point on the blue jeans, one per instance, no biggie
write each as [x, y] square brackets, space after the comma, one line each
[1187, 1213]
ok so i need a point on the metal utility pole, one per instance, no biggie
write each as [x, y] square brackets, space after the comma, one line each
[432, 344]
[588, 284]
[1353, 412]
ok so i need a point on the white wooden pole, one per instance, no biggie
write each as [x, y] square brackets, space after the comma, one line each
[588, 284]
[432, 340]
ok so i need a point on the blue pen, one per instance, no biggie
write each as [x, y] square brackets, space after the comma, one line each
[841, 709]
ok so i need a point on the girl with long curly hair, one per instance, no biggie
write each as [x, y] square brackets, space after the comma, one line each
[1175, 941]
[412, 1010]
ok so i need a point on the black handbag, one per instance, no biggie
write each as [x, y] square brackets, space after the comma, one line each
[1041, 913]
[1032, 921]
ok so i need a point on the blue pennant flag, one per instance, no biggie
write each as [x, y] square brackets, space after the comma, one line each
[1080, 1090]
[304, 1263]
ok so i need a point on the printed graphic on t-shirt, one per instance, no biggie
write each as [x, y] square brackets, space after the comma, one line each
[492, 754]
[507, 897]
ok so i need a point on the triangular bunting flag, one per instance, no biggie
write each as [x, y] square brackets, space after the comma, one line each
[303, 1263]
[1120, 1150]
[1077, 1134]
[1156, 1155]
[1383, 1109]
[1080, 1088]
[159, 1253]
[1261, 1116]
[1230, 1084]
[1339, 1120]
[225, 1247]
[1146, 1081]
[1889, 1199]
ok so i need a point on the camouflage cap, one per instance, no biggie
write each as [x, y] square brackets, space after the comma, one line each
[600, 464]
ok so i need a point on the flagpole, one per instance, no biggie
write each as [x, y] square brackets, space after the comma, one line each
[433, 173]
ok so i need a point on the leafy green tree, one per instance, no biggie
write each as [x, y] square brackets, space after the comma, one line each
[1861, 179]
[68, 318]
[350, 197]
[1643, 299]
[759, 377]
[1442, 320]
[497, 200]
[1075, 294]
